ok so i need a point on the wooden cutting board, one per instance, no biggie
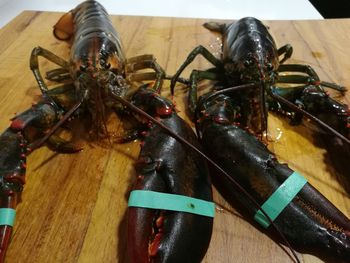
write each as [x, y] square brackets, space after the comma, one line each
[73, 206]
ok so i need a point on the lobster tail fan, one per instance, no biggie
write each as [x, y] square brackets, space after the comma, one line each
[216, 27]
[64, 28]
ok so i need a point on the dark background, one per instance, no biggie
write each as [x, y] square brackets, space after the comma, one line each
[332, 8]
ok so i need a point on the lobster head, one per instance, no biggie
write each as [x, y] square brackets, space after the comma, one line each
[251, 58]
[96, 76]
[251, 61]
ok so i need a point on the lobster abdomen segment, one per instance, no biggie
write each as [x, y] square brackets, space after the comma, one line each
[96, 44]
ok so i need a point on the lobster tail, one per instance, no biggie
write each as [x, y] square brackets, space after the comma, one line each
[64, 28]
[216, 27]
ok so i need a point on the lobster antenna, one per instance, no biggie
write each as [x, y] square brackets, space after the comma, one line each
[310, 116]
[36, 144]
[230, 89]
[263, 115]
[184, 141]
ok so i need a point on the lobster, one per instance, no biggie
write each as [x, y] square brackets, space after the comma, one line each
[249, 54]
[227, 118]
[98, 78]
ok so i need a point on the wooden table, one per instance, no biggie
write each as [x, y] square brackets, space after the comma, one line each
[73, 206]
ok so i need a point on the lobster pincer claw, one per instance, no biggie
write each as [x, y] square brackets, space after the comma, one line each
[330, 115]
[327, 109]
[12, 162]
[14, 148]
[168, 171]
[12, 171]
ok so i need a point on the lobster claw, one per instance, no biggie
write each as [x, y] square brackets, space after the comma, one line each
[165, 236]
[12, 172]
[167, 166]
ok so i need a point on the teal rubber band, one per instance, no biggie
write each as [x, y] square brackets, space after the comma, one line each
[279, 200]
[7, 216]
[173, 202]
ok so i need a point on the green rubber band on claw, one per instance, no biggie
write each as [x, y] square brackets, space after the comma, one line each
[7, 216]
[173, 202]
[279, 200]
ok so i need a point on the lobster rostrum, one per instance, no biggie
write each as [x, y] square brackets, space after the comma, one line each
[250, 55]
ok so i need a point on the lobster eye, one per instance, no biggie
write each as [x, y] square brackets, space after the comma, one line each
[107, 66]
[269, 66]
[83, 68]
[247, 62]
[229, 67]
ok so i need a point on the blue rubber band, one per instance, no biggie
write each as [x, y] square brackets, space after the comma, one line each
[173, 202]
[279, 200]
[7, 216]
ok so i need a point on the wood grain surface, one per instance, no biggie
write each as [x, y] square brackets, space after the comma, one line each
[73, 206]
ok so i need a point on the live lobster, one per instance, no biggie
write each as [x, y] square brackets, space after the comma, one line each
[249, 54]
[102, 81]
[229, 117]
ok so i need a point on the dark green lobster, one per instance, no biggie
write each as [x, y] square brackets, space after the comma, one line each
[99, 82]
[230, 116]
[249, 55]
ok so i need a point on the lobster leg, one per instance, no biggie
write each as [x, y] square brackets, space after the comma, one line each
[34, 65]
[310, 222]
[143, 62]
[195, 77]
[12, 171]
[157, 235]
[136, 59]
[287, 50]
[58, 75]
[200, 50]
[311, 78]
